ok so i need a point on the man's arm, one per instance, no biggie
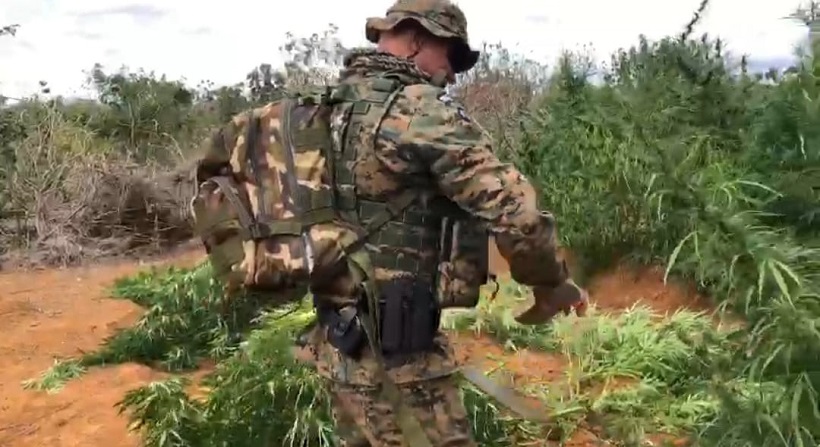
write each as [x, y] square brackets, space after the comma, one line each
[459, 156]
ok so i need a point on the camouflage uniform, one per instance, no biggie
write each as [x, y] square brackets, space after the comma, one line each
[426, 142]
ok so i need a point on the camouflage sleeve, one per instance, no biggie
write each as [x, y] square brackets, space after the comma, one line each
[458, 154]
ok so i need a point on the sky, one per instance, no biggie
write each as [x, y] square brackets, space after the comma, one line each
[60, 39]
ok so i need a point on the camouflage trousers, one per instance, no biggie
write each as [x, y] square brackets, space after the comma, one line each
[364, 420]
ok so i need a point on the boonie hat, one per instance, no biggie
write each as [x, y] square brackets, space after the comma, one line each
[441, 18]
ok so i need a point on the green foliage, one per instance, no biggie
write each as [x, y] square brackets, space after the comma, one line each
[259, 397]
[186, 321]
[140, 110]
[633, 373]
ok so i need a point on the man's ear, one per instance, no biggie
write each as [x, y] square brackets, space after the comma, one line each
[417, 42]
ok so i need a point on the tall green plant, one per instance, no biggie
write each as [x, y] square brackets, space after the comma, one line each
[681, 159]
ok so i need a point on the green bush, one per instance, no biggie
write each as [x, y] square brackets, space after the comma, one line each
[677, 159]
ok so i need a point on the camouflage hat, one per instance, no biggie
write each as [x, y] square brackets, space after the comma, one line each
[441, 18]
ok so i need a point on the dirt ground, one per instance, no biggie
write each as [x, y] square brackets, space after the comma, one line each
[60, 313]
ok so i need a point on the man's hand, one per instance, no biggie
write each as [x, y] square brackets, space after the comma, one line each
[550, 301]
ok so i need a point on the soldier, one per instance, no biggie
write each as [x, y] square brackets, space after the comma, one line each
[400, 132]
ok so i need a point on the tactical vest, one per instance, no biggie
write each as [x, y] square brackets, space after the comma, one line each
[460, 268]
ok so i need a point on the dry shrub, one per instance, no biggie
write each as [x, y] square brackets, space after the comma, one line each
[497, 105]
[103, 209]
[499, 91]
[73, 201]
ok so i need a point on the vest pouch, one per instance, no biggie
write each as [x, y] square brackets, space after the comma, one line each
[409, 318]
[218, 223]
[463, 265]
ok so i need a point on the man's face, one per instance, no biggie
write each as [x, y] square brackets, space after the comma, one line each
[433, 57]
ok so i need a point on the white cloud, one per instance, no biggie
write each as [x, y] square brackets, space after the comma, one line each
[59, 39]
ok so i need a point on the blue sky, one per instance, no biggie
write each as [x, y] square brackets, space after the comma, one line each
[59, 39]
